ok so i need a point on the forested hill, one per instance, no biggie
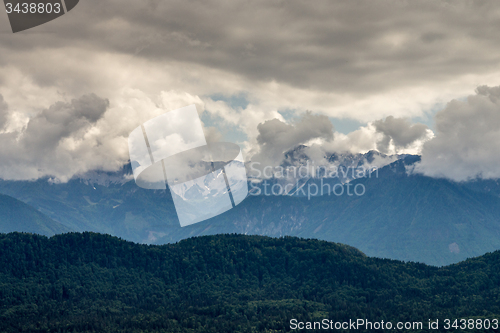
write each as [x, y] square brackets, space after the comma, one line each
[227, 283]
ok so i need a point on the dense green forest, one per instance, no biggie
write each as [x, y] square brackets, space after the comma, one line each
[88, 282]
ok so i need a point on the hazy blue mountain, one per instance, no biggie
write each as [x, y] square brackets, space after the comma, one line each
[15, 215]
[400, 216]
[120, 209]
[413, 218]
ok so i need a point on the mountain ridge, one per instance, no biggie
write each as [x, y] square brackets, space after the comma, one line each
[402, 215]
[88, 282]
[16, 215]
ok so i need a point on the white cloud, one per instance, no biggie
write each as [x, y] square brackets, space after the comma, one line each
[54, 142]
[86, 133]
[277, 137]
[399, 133]
[361, 140]
[355, 60]
[467, 138]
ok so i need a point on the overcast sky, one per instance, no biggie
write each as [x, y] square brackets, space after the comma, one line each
[396, 76]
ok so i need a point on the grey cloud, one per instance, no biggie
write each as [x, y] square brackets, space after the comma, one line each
[62, 120]
[212, 134]
[276, 137]
[42, 148]
[4, 109]
[354, 47]
[357, 48]
[466, 144]
[401, 132]
[493, 93]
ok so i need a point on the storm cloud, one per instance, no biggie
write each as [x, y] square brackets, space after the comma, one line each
[334, 46]
[363, 60]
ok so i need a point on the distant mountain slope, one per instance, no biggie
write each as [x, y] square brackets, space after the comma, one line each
[105, 203]
[413, 218]
[15, 215]
[401, 216]
[111, 203]
[228, 283]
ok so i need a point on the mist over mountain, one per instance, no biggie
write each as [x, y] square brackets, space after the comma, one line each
[401, 215]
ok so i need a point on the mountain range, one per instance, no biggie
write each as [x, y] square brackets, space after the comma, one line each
[401, 215]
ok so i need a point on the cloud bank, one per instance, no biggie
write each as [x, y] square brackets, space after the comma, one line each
[466, 144]
[87, 133]
[379, 63]
[56, 142]
[361, 60]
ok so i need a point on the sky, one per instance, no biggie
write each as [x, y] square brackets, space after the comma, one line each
[396, 76]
